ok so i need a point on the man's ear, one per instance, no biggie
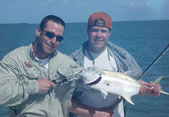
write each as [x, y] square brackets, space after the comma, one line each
[38, 31]
[109, 33]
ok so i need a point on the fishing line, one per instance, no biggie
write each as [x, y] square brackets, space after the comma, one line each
[155, 61]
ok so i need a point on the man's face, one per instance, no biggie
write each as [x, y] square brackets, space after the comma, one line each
[50, 38]
[98, 37]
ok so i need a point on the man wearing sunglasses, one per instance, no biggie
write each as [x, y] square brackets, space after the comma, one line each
[26, 75]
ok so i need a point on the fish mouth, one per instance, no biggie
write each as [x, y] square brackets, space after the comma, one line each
[95, 82]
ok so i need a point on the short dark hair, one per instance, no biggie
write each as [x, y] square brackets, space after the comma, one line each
[53, 18]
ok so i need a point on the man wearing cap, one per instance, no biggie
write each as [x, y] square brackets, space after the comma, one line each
[98, 51]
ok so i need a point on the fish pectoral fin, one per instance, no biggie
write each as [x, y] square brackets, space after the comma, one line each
[104, 94]
[128, 98]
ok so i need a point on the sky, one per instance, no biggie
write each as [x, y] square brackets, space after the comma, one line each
[32, 11]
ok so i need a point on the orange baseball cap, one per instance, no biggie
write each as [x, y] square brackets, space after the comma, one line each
[100, 19]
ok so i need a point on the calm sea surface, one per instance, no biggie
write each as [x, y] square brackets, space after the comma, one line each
[143, 39]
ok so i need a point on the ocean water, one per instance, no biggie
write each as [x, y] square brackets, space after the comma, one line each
[143, 39]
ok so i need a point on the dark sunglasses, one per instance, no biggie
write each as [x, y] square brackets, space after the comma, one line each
[51, 35]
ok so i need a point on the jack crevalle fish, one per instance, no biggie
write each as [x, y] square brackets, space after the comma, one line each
[112, 82]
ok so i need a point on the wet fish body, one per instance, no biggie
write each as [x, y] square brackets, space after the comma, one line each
[111, 82]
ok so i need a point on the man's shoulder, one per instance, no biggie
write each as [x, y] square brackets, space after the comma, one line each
[65, 61]
[63, 57]
[18, 52]
[15, 56]
[60, 54]
[79, 51]
[76, 52]
[115, 48]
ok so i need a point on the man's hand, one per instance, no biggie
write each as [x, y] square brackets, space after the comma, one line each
[86, 111]
[150, 89]
[102, 114]
[45, 85]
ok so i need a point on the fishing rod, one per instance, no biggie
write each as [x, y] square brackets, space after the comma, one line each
[147, 70]
[155, 61]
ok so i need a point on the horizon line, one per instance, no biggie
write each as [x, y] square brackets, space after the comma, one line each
[86, 22]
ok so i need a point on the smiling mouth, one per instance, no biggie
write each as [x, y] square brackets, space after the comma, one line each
[50, 46]
[98, 42]
[98, 39]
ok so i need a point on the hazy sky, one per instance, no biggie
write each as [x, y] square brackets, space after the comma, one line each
[32, 11]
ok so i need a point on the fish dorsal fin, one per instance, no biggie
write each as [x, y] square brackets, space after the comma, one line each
[104, 93]
[128, 98]
[158, 80]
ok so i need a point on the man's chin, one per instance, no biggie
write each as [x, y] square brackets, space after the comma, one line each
[99, 46]
[49, 52]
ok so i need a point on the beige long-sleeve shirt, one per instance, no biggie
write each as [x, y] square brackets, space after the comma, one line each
[19, 71]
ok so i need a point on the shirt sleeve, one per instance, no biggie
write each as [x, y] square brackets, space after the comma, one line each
[12, 90]
[134, 69]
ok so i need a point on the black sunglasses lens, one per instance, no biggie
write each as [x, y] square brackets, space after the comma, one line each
[59, 38]
[50, 35]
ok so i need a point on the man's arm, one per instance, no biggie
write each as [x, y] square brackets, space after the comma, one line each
[80, 109]
[14, 91]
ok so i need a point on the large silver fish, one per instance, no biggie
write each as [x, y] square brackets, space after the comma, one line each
[112, 82]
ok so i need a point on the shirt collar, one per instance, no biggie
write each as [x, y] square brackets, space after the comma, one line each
[31, 53]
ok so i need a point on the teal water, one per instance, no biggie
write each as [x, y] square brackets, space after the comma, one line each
[143, 39]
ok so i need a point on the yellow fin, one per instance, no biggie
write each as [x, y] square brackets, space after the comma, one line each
[158, 79]
[128, 99]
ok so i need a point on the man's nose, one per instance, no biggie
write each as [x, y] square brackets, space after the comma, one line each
[53, 40]
[99, 34]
